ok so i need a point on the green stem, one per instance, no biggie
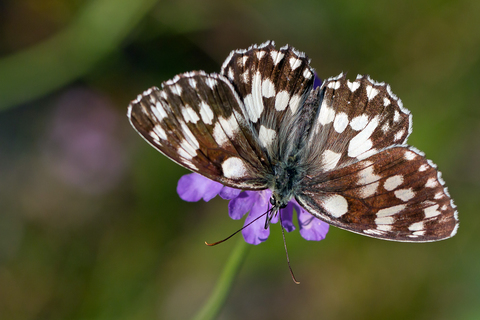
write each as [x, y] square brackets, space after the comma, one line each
[99, 28]
[224, 285]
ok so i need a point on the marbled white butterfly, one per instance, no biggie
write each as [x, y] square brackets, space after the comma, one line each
[340, 150]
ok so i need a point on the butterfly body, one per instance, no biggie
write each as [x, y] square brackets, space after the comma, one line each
[340, 150]
[285, 182]
[289, 168]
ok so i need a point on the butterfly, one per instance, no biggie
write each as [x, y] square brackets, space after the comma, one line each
[340, 149]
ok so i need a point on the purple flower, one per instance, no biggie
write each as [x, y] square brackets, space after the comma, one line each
[193, 187]
[317, 82]
[82, 146]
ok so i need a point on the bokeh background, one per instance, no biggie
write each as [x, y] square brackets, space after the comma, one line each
[90, 223]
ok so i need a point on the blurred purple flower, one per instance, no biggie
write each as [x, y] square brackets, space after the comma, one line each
[82, 146]
[193, 187]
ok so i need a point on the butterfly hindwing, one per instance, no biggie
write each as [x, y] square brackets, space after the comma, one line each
[396, 194]
[355, 120]
[274, 84]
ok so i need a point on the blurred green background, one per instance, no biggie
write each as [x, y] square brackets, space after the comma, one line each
[90, 223]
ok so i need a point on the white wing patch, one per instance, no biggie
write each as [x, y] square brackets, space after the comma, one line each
[234, 168]
[266, 136]
[362, 142]
[335, 205]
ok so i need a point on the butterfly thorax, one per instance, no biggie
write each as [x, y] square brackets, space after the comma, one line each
[284, 182]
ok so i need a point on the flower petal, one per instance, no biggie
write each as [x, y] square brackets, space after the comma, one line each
[242, 204]
[256, 232]
[287, 217]
[317, 82]
[228, 193]
[193, 187]
[311, 228]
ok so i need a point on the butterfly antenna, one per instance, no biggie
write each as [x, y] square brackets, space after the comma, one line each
[218, 242]
[286, 252]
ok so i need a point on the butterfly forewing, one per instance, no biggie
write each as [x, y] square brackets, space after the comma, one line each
[395, 194]
[193, 121]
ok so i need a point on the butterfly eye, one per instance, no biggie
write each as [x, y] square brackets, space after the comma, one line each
[272, 201]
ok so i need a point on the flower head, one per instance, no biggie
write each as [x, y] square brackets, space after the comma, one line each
[194, 187]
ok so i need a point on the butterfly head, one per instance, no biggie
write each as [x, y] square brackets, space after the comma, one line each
[283, 185]
[278, 202]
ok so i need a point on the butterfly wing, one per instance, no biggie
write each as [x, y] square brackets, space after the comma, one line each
[198, 121]
[355, 120]
[231, 127]
[360, 175]
[395, 194]
[274, 84]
